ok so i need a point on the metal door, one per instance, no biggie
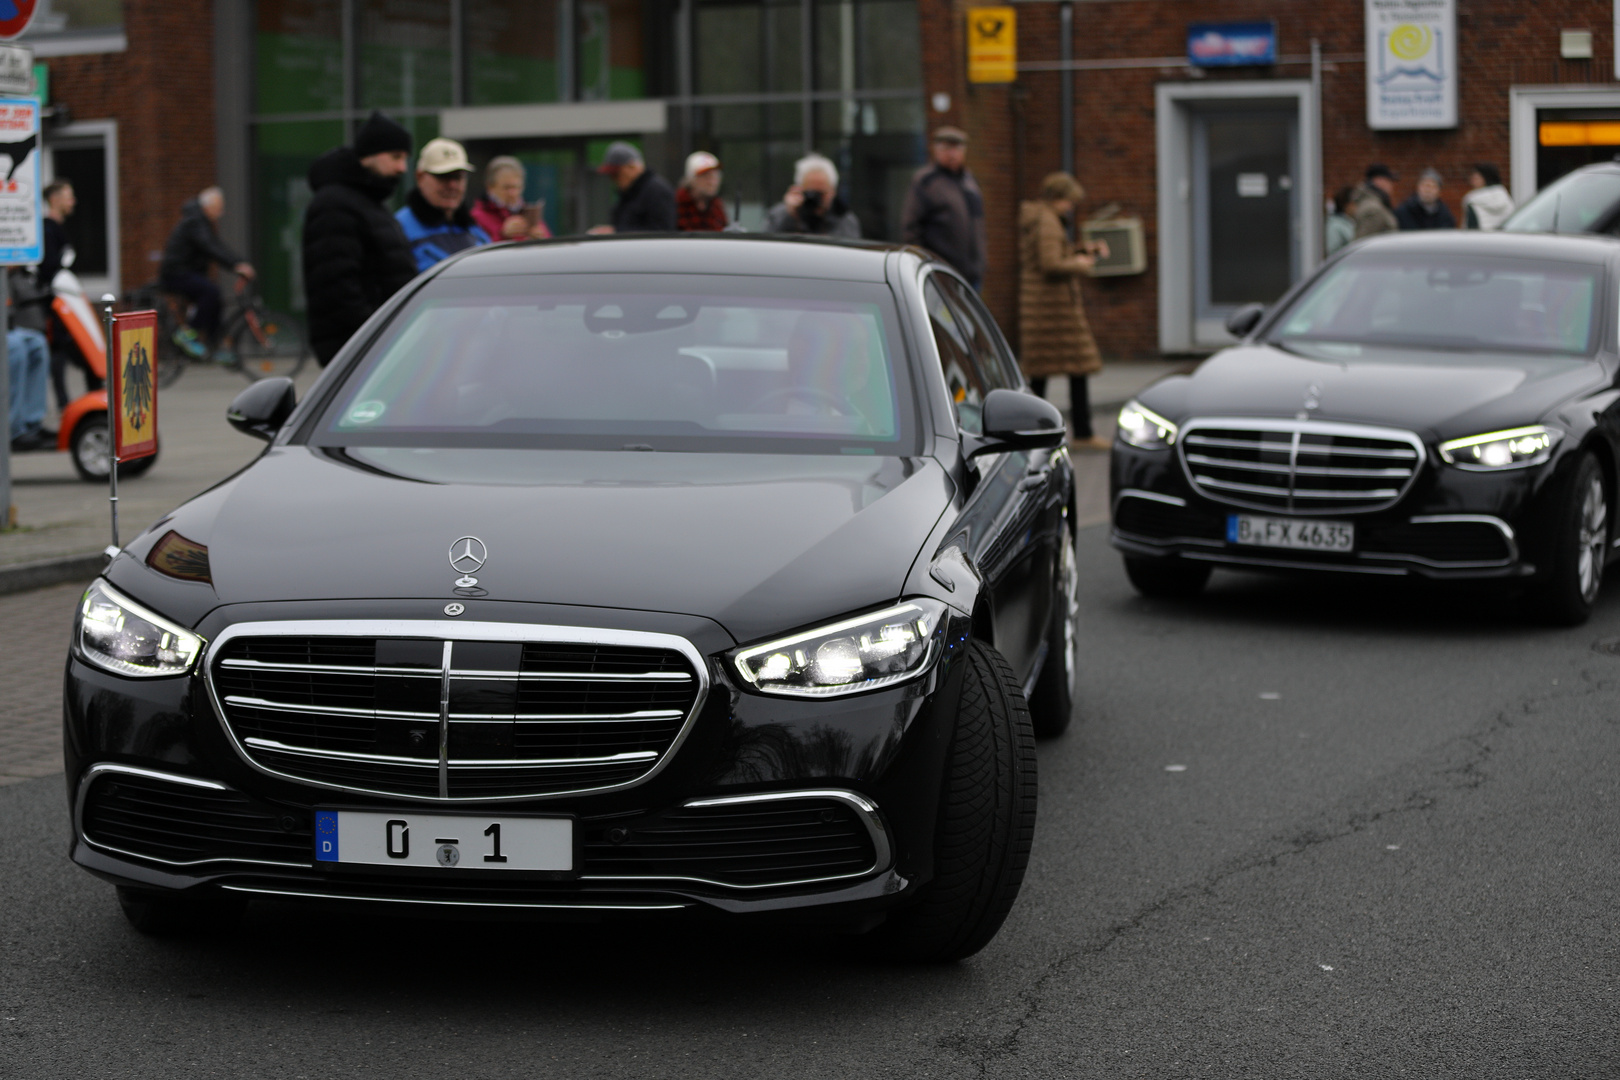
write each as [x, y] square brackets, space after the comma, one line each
[1245, 207]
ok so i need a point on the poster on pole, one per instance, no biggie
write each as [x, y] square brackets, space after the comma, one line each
[21, 242]
[1411, 64]
[133, 385]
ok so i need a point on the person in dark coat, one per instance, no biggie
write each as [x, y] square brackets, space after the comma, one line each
[1424, 210]
[355, 253]
[60, 203]
[646, 201]
[193, 249]
[944, 208]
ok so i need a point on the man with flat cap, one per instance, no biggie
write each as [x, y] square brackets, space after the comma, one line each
[944, 209]
[1374, 209]
[355, 253]
[646, 201]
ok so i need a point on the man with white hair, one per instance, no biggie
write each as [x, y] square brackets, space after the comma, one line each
[194, 247]
[812, 205]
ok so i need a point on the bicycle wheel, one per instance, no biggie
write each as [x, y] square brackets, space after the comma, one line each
[264, 343]
[171, 361]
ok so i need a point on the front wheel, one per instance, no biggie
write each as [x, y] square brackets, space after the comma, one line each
[266, 344]
[1051, 702]
[1579, 545]
[986, 820]
[91, 448]
[1167, 578]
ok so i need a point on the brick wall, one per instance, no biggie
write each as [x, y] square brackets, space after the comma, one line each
[1501, 43]
[161, 92]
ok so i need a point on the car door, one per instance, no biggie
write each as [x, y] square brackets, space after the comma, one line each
[1002, 519]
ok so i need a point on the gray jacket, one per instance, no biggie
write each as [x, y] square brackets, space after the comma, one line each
[839, 220]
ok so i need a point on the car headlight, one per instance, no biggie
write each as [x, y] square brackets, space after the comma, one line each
[1516, 448]
[1144, 428]
[119, 635]
[859, 654]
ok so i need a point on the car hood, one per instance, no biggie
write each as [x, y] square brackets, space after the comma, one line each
[1441, 395]
[758, 543]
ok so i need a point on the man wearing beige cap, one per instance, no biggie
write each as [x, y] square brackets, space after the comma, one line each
[436, 223]
[944, 209]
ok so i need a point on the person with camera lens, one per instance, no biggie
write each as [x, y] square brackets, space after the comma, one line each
[812, 205]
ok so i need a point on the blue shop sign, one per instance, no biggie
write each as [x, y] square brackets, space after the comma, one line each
[1231, 44]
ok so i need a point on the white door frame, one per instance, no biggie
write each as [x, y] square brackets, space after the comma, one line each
[107, 132]
[1179, 332]
[1524, 133]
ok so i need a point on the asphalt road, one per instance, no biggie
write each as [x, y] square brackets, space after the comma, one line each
[1302, 831]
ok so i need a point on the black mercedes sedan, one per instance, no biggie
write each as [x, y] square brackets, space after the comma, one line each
[610, 579]
[1438, 405]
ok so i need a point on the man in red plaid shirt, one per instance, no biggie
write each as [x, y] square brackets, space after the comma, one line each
[698, 207]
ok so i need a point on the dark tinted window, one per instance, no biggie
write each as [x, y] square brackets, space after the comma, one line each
[995, 365]
[962, 378]
[1576, 203]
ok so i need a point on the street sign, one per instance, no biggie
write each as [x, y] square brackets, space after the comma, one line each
[15, 15]
[20, 235]
[992, 45]
[133, 384]
[16, 68]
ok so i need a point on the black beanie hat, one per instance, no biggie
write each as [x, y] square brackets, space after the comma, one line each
[380, 135]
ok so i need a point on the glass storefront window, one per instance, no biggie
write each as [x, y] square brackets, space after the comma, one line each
[610, 50]
[512, 52]
[404, 54]
[300, 57]
[283, 153]
[748, 48]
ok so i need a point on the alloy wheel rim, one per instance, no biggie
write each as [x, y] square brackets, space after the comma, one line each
[94, 454]
[1594, 533]
[1071, 601]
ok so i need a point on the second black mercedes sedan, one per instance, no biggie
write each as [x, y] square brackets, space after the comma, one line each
[616, 578]
[1438, 405]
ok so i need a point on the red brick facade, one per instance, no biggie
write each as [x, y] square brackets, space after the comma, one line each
[161, 92]
[1501, 43]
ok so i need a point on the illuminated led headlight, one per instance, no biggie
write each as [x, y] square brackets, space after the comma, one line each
[1513, 449]
[1144, 428]
[117, 634]
[849, 657]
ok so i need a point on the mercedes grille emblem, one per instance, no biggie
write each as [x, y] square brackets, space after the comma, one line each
[467, 555]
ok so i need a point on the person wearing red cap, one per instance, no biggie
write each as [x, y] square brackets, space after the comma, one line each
[698, 207]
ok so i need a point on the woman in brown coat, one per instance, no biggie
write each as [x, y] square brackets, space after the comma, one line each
[1054, 338]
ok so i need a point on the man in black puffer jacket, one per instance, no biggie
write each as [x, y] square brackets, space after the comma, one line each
[355, 253]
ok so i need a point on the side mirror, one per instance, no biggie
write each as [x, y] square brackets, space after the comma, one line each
[262, 408]
[1245, 319]
[1014, 420]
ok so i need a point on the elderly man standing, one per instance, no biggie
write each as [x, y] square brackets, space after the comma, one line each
[646, 201]
[698, 206]
[813, 205]
[436, 223]
[944, 209]
[194, 247]
[1374, 214]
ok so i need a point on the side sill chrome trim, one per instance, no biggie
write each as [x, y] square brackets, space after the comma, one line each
[95, 772]
[864, 809]
[1151, 496]
[451, 630]
[429, 763]
[307, 895]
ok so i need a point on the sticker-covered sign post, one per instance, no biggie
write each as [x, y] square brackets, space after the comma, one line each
[131, 393]
[20, 238]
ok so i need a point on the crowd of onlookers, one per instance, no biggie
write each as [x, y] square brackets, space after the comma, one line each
[1369, 208]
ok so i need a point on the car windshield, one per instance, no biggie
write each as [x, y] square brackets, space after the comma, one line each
[634, 362]
[1471, 304]
[1577, 203]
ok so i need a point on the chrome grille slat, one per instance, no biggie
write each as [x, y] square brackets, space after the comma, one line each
[433, 763]
[1300, 466]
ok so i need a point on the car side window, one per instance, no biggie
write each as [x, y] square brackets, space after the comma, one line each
[962, 377]
[986, 347]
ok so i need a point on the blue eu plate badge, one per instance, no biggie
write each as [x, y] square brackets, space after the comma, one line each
[326, 835]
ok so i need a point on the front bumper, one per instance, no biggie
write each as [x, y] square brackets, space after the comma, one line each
[818, 808]
[1451, 524]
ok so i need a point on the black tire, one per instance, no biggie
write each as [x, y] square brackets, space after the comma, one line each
[90, 447]
[159, 914]
[986, 821]
[266, 344]
[1051, 701]
[1578, 545]
[1170, 578]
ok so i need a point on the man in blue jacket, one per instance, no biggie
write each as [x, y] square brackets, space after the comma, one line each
[436, 223]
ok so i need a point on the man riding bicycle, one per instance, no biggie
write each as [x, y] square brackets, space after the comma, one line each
[193, 247]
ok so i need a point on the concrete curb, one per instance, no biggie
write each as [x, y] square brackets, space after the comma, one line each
[23, 577]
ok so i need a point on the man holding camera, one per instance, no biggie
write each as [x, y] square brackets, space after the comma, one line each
[812, 205]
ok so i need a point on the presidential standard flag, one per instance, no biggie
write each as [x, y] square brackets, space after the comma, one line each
[133, 377]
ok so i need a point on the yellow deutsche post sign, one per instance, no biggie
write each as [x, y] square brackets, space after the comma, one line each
[992, 45]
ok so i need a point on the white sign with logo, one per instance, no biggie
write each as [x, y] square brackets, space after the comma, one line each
[1411, 64]
[20, 238]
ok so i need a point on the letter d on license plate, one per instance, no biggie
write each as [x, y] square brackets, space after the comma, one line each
[1292, 533]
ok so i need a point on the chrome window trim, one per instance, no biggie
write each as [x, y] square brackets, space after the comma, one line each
[450, 631]
[1227, 491]
[306, 894]
[95, 772]
[865, 810]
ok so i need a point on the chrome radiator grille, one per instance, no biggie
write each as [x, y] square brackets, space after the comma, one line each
[1300, 466]
[454, 719]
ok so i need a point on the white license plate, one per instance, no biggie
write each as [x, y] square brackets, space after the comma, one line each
[443, 841]
[1290, 533]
